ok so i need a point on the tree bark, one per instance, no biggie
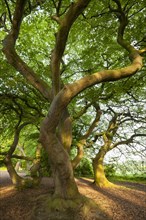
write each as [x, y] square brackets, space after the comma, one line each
[80, 153]
[16, 179]
[65, 186]
[98, 168]
[65, 130]
[35, 169]
[82, 141]
[17, 166]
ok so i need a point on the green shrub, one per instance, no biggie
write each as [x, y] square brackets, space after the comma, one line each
[84, 168]
[109, 170]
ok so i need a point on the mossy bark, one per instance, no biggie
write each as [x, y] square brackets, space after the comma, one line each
[98, 168]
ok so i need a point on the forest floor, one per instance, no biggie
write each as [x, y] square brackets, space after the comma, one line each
[126, 202]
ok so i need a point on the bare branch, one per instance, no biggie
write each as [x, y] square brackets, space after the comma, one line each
[9, 12]
[128, 141]
[18, 156]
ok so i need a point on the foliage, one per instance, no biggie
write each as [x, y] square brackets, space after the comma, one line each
[84, 168]
[130, 178]
[109, 170]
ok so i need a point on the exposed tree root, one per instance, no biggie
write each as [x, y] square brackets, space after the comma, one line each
[106, 184]
[26, 183]
[81, 208]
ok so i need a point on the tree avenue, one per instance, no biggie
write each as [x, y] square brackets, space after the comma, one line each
[70, 21]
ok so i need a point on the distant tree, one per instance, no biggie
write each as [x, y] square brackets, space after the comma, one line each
[121, 130]
[18, 112]
[116, 126]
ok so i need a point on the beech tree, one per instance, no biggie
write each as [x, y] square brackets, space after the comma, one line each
[116, 126]
[18, 112]
[66, 20]
[81, 141]
[122, 130]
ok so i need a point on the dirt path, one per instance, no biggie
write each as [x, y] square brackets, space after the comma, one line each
[125, 203]
[119, 203]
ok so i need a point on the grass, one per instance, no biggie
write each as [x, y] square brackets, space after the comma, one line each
[134, 179]
[3, 168]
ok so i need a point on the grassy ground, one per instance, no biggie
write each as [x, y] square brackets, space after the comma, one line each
[134, 179]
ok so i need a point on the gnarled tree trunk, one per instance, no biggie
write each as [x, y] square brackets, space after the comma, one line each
[80, 153]
[98, 168]
[65, 186]
[16, 179]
